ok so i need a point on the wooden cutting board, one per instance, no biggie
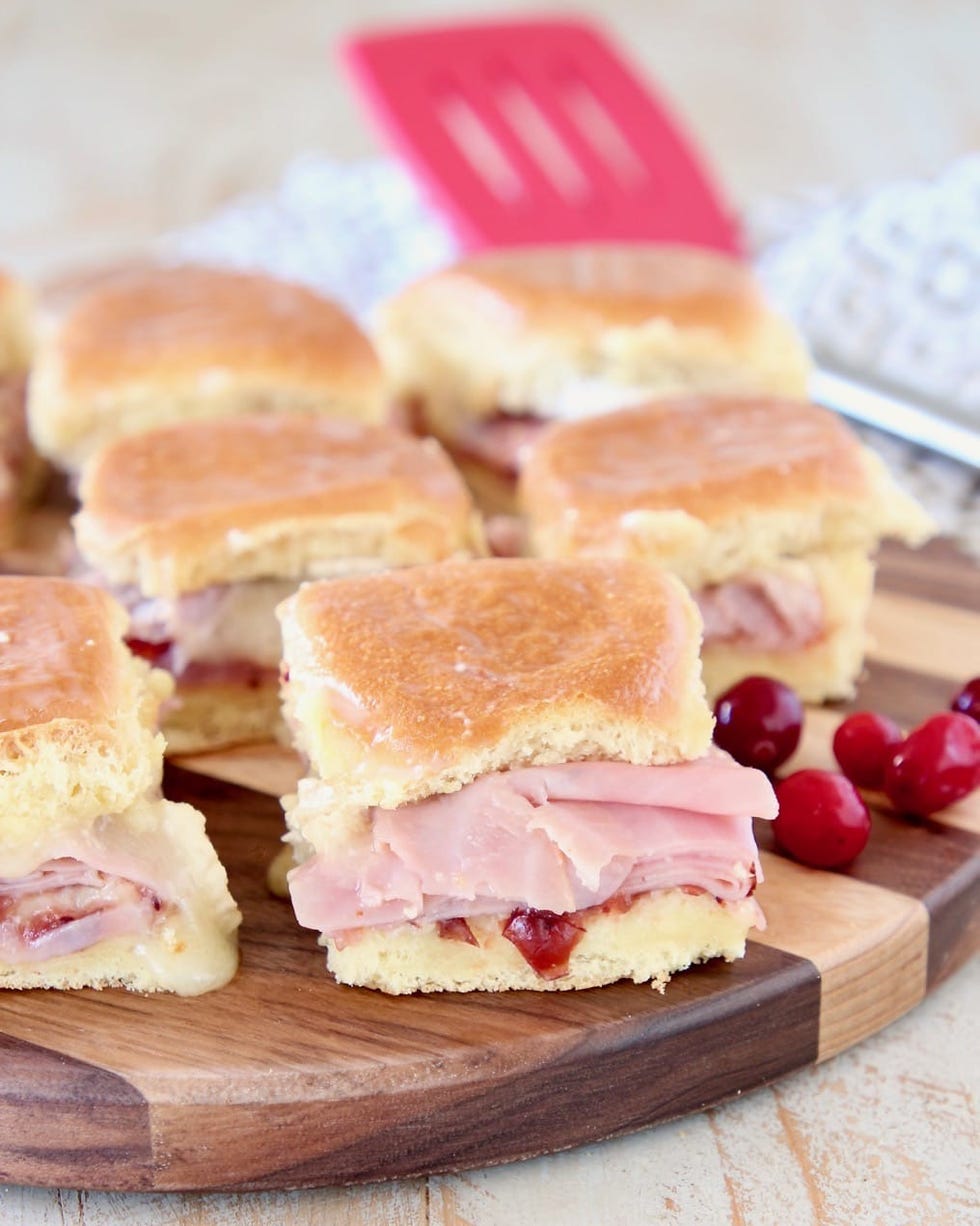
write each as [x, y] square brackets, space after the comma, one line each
[284, 1079]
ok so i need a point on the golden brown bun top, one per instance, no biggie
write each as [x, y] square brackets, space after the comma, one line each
[711, 487]
[432, 663]
[234, 473]
[713, 457]
[61, 655]
[166, 323]
[584, 288]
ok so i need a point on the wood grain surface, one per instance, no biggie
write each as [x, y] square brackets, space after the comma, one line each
[284, 1079]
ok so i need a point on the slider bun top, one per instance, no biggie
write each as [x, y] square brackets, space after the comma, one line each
[711, 486]
[275, 496]
[165, 344]
[515, 330]
[417, 681]
[78, 711]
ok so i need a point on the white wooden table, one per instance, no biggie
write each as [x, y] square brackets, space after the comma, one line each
[119, 120]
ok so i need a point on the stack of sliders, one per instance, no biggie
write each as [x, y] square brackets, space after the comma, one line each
[102, 882]
[202, 528]
[512, 783]
[767, 509]
[161, 345]
[484, 354]
[18, 468]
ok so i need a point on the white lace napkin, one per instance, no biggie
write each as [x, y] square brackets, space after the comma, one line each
[907, 253]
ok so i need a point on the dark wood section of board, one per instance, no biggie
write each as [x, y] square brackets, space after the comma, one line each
[59, 1114]
[631, 1058]
[906, 695]
[940, 572]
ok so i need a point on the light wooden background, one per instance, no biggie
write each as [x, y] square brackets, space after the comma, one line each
[123, 118]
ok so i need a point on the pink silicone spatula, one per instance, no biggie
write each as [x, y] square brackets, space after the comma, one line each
[536, 131]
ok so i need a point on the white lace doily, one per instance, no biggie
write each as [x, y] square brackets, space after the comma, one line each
[358, 231]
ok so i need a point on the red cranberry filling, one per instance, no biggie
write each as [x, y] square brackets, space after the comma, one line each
[618, 904]
[544, 940]
[456, 929]
[68, 909]
[43, 922]
[157, 654]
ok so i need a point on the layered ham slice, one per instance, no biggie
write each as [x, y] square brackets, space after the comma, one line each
[765, 610]
[218, 625]
[66, 905]
[500, 442]
[552, 838]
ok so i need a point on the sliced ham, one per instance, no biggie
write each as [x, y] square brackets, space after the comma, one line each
[239, 673]
[64, 906]
[216, 625]
[767, 610]
[553, 838]
[505, 535]
[501, 442]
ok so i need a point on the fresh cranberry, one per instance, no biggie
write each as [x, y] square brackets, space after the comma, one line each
[758, 721]
[863, 745]
[967, 701]
[822, 819]
[937, 763]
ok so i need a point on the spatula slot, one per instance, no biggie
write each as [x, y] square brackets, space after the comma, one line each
[592, 120]
[479, 148]
[539, 137]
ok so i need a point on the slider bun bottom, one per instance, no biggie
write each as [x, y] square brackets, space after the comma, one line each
[660, 934]
[827, 669]
[206, 717]
[824, 672]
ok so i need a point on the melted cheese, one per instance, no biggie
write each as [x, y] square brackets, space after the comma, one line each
[188, 947]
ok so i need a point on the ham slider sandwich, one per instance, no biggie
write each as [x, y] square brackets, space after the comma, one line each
[511, 779]
[202, 528]
[768, 510]
[169, 344]
[102, 883]
[19, 470]
[485, 353]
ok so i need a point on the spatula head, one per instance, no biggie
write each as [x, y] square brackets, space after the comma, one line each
[536, 131]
